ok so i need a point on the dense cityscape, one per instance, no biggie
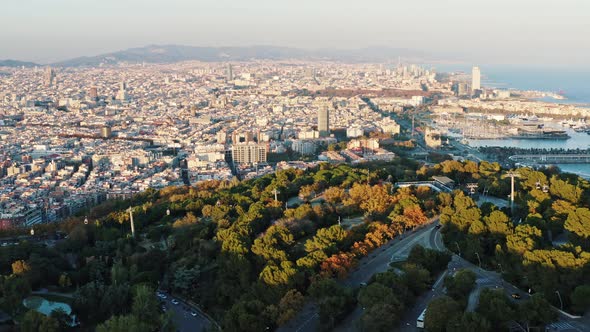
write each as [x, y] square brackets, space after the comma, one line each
[200, 166]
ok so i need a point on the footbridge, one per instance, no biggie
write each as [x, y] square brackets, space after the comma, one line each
[435, 185]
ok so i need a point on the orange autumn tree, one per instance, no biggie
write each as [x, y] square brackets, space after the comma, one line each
[337, 265]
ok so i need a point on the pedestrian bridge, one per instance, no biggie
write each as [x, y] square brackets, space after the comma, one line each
[552, 158]
[437, 186]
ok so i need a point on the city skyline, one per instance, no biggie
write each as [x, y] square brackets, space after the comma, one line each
[541, 32]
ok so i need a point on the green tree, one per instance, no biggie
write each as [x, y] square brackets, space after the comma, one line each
[12, 291]
[537, 311]
[376, 293]
[460, 285]
[128, 323]
[495, 306]
[469, 322]
[37, 322]
[380, 317]
[185, 279]
[581, 298]
[439, 312]
[145, 305]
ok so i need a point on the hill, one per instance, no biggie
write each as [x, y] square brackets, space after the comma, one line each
[16, 63]
[177, 53]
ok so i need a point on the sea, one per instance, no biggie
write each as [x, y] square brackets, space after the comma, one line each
[572, 82]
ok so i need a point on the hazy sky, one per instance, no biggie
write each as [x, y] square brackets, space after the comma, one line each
[494, 31]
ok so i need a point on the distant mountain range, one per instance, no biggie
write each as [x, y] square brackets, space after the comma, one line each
[177, 53]
[16, 63]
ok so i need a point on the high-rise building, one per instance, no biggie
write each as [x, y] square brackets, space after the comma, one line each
[475, 79]
[93, 93]
[122, 94]
[324, 121]
[229, 73]
[249, 153]
[106, 132]
[49, 76]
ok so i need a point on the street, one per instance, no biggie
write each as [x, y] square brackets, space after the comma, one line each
[184, 320]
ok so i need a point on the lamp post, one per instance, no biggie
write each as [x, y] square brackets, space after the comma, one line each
[560, 301]
[458, 248]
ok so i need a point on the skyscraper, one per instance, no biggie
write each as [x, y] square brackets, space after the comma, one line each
[49, 76]
[324, 121]
[475, 79]
[230, 72]
[122, 94]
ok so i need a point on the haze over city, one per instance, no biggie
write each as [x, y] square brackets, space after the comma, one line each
[524, 32]
[294, 166]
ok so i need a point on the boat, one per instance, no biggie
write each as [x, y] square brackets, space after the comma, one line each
[540, 133]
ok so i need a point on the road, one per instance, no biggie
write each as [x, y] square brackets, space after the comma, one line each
[185, 322]
[377, 261]
[485, 279]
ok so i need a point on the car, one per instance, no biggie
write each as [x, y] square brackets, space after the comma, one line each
[164, 308]
[194, 314]
[515, 296]
[163, 296]
[175, 301]
[363, 284]
[438, 226]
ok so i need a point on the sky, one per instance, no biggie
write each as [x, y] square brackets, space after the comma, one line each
[527, 32]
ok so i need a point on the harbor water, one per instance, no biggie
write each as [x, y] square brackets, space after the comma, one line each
[578, 140]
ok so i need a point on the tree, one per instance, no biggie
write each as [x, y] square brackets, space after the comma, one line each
[145, 305]
[306, 193]
[184, 278]
[581, 298]
[289, 306]
[537, 311]
[381, 317]
[64, 281]
[460, 285]
[439, 312]
[495, 306]
[20, 267]
[334, 195]
[61, 317]
[416, 277]
[128, 323]
[326, 239]
[14, 289]
[37, 322]
[376, 293]
[498, 224]
[337, 265]
[577, 223]
[119, 274]
[469, 322]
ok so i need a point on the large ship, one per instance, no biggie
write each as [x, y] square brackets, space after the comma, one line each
[539, 133]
